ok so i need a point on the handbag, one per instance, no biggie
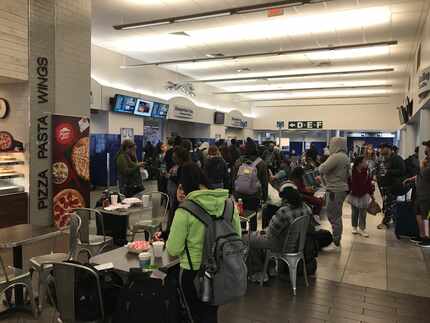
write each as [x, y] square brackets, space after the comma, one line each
[374, 208]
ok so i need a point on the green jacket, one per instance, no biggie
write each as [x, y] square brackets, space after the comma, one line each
[128, 171]
[186, 227]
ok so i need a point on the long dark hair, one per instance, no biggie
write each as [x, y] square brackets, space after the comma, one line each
[192, 178]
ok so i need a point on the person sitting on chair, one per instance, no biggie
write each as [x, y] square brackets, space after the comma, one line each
[274, 237]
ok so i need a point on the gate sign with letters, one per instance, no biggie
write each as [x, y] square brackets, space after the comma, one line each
[280, 124]
[305, 125]
[424, 84]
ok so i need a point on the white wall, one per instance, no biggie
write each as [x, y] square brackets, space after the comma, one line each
[151, 80]
[99, 122]
[339, 114]
[187, 129]
[121, 120]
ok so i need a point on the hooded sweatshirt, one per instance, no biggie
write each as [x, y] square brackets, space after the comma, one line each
[186, 227]
[336, 169]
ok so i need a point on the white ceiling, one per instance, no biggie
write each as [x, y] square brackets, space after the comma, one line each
[332, 23]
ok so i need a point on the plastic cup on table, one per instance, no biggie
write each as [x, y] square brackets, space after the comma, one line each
[145, 260]
[145, 200]
[114, 199]
[158, 247]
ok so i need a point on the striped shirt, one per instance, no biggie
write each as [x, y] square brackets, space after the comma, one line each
[281, 221]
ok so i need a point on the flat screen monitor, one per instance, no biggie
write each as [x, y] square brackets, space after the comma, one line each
[160, 110]
[124, 104]
[143, 108]
[219, 118]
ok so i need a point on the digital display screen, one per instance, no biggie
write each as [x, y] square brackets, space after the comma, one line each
[124, 104]
[143, 108]
[219, 118]
[160, 110]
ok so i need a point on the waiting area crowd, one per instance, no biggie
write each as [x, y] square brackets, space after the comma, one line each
[213, 197]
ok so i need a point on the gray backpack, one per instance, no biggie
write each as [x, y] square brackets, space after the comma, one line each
[222, 277]
[247, 182]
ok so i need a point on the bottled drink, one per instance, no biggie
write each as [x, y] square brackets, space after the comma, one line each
[240, 206]
[207, 287]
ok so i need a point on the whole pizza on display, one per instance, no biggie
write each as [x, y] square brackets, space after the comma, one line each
[81, 158]
[64, 202]
[60, 173]
[6, 141]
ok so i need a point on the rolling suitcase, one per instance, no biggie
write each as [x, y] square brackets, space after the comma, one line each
[405, 220]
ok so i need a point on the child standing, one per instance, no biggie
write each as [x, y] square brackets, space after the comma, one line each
[360, 196]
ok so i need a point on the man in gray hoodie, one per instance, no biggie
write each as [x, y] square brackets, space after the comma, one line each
[335, 173]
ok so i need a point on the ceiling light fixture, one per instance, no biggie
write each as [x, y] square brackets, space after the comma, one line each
[320, 97]
[245, 69]
[275, 77]
[215, 55]
[217, 13]
[307, 89]
[277, 53]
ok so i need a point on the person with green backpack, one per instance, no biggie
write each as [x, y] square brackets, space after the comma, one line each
[206, 235]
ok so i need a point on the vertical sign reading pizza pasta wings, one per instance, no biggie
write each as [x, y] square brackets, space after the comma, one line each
[70, 166]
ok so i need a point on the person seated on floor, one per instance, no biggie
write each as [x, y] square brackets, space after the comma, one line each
[188, 231]
[274, 237]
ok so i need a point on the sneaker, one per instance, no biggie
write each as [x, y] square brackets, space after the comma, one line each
[382, 226]
[332, 248]
[354, 230]
[425, 243]
[416, 240]
[364, 233]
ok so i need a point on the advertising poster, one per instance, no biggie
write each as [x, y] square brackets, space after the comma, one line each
[70, 166]
[127, 134]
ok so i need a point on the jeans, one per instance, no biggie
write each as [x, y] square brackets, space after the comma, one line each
[257, 246]
[358, 217]
[334, 213]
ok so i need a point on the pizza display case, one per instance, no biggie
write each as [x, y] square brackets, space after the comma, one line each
[12, 175]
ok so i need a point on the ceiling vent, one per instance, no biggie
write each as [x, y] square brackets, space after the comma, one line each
[324, 64]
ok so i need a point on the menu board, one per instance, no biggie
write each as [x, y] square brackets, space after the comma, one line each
[160, 110]
[125, 104]
[70, 166]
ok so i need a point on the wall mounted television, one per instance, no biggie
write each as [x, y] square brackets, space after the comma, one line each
[124, 104]
[219, 118]
[160, 110]
[143, 108]
[403, 114]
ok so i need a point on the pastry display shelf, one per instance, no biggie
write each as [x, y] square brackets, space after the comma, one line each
[11, 162]
[11, 189]
[10, 175]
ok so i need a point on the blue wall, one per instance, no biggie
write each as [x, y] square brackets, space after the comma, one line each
[100, 145]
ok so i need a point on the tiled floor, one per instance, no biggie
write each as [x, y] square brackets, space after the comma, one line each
[375, 279]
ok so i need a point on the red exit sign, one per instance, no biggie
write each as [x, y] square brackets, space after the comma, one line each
[275, 12]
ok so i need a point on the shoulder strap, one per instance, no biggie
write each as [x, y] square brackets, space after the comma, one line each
[197, 211]
[256, 162]
[228, 210]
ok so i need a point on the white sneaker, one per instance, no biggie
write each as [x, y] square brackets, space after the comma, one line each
[354, 230]
[364, 233]
[332, 248]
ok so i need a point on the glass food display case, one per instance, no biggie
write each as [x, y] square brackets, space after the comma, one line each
[12, 175]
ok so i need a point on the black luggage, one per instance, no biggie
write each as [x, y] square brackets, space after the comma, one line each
[405, 220]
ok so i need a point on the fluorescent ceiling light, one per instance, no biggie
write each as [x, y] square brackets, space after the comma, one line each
[153, 24]
[286, 76]
[349, 53]
[331, 49]
[214, 14]
[306, 89]
[318, 94]
[209, 16]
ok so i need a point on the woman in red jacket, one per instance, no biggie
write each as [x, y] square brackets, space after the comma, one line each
[360, 196]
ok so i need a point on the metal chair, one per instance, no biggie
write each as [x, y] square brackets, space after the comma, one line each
[11, 277]
[152, 225]
[65, 275]
[93, 244]
[292, 251]
[36, 264]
